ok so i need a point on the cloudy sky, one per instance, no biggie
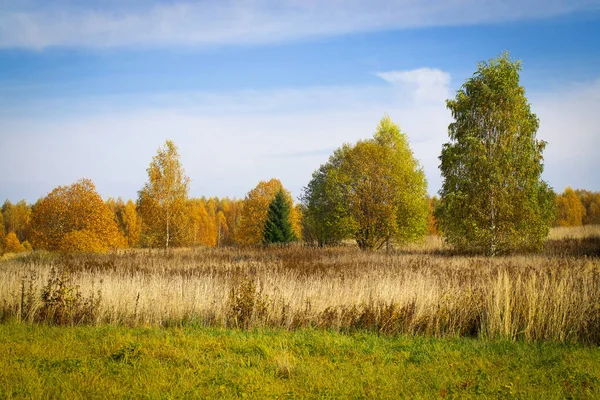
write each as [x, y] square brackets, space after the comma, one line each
[255, 89]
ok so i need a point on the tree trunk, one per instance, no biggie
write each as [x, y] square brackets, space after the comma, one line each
[167, 242]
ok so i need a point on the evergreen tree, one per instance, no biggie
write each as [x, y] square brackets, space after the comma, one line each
[278, 228]
[493, 199]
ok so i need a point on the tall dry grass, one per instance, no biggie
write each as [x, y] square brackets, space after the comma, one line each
[423, 289]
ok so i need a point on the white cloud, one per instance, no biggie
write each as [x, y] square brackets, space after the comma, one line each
[425, 84]
[570, 123]
[38, 24]
[229, 142]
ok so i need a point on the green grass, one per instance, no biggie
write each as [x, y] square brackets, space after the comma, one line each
[39, 361]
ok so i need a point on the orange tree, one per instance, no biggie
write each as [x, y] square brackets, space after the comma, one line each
[569, 209]
[2, 233]
[74, 218]
[12, 244]
[256, 207]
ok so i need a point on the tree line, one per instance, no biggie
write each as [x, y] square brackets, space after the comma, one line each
[492, 199]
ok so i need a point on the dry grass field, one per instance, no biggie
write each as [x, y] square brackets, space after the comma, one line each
[422, 290]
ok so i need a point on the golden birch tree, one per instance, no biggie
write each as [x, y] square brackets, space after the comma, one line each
[162, 200]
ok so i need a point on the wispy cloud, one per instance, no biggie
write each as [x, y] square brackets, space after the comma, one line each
[426, 84]
[225, 153]
[39, 24]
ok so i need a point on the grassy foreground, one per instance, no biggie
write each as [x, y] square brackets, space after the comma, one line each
[40, 361]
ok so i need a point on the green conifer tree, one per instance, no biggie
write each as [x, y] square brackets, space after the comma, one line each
[278, 228]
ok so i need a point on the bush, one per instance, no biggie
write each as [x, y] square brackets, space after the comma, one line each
[63, 303]
[12, 244]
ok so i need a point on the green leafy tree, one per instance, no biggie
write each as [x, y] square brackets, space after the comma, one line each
[374, 192]
[493, 199]
[162, 201]
[278, 228]
[326, 219]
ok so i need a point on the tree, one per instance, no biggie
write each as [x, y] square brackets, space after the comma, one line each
[256, 207]
[2, 234]
[432, 203]
[222, 228]
[569, 209]
[493, 199]
[278, 228]
[11, 244]
[74, 217]
[130, 223]
[374, 192]
[17, 218]
[326, 218]
[591, 202]
[202, 227]
[161, 202]
[232, 209]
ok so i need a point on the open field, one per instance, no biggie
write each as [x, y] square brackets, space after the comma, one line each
[39, 361]
[422, 290]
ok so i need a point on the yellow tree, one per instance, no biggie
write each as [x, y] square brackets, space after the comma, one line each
[256, 207]
[232, 209]
[162, 200]
[130, 224]
[591, 202]
[569, 210]
[201, 226]
[17, 218]
[11, 244]
[74, 218]
[222, 228]
[2, 233]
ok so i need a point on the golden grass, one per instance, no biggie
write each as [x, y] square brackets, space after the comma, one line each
[554, 295]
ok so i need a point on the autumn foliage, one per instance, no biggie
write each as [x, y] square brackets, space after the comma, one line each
[373, 191]
[16, 218]
[11, 244]
[569, 210]
[74, 218]
[256, 208]
[162, 200]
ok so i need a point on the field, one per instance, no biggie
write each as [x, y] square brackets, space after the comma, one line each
[38, 361]
[255, 316]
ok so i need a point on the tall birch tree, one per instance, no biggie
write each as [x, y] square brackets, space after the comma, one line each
[162, 200]
[493, 199]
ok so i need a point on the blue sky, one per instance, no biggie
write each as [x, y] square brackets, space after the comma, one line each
[255, 89]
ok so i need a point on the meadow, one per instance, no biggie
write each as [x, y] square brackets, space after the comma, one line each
[420, 290]
[303, 322]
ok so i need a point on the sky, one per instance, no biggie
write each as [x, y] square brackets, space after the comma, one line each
[251, 90]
